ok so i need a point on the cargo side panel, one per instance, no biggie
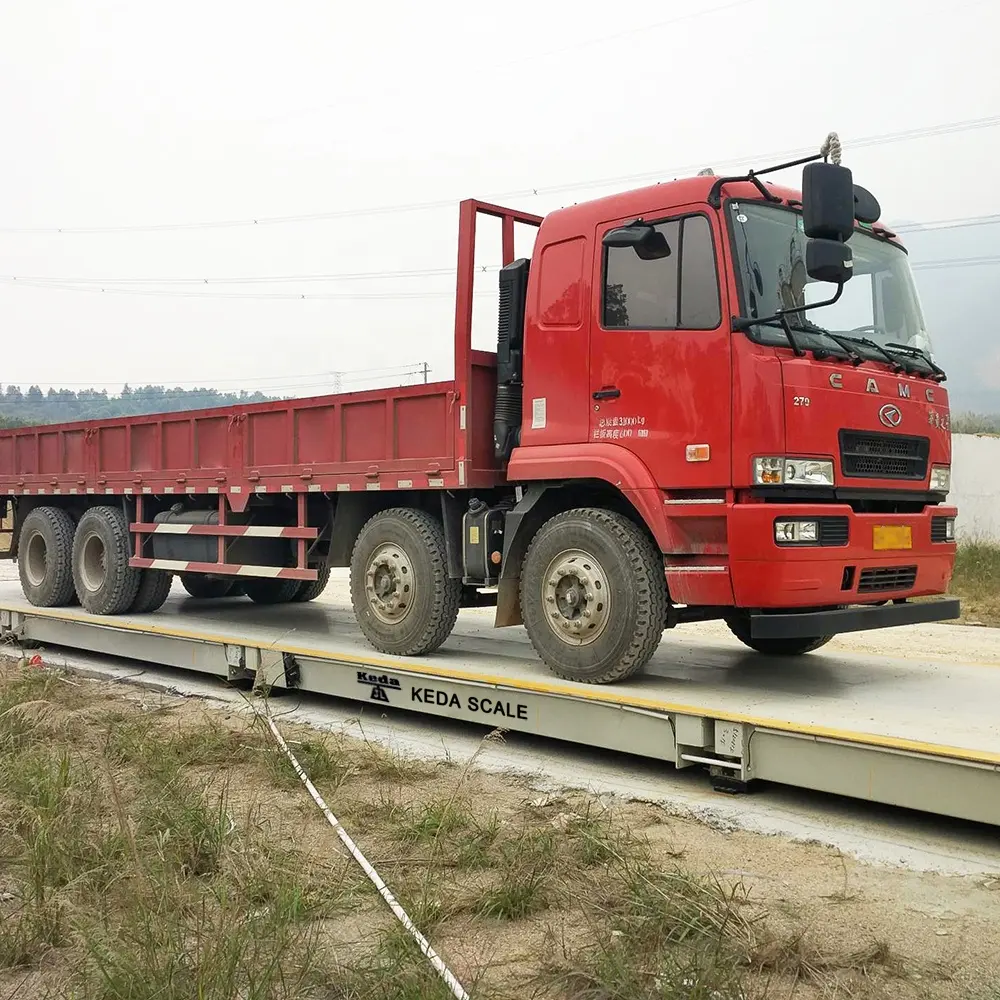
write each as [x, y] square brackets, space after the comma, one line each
[143, 447]
[398, 438]
[421, 427]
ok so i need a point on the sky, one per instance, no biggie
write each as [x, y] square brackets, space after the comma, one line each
[138, 128]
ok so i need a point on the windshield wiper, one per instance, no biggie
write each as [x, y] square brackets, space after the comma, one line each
[876, 346]
[741, 323]
[916, 352]
[808, 326]
[845, 342]
[805, 327]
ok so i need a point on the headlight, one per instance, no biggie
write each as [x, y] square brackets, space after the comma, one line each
[795, 532]
[777, 471]
[940, 478]
[949, 529]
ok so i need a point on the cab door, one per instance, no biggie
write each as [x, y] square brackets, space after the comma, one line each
[660, 367]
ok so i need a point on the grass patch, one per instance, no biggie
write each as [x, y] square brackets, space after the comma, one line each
[29, 933]
[170, 854]
[976, 581]
[428, 823]
[528, 864]
[659, 934]
[326, 765]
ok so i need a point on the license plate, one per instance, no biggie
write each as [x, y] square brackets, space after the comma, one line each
[892, 536]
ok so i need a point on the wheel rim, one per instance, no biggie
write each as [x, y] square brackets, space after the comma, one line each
[389, 584]
[576, 597]
[36, 559]
[94, 563]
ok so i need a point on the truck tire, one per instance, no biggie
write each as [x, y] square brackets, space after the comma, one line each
[309, 590]
[796, 646]
[105, 582]
[45, 557]
[593, 596]
[154, 589]
[404, 601]
[206, 588]
[268, 591]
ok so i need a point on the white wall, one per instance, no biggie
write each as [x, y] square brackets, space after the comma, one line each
[975, 485]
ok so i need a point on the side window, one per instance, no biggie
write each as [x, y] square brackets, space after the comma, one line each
[679, 292]
[699, 306]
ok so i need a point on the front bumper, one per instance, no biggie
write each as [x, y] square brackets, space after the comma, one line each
[801, 624]
[766, 575]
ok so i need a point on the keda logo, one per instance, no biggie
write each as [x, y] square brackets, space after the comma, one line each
[380, 684]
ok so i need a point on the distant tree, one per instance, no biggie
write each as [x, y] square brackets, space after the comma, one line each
[65, 405]
[975, 423]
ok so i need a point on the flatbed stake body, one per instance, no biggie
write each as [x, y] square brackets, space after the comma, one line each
[684, 419]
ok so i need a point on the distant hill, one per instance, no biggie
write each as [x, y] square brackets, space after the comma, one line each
[57, 406]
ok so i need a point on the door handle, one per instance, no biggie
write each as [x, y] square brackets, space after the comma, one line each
[610, 392]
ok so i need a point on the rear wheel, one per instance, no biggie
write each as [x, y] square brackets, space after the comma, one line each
[45, 557]
[309, 590]
[740, 627]
[593, 596]
[105, 582]
[266, 591]
[403, 598]
[206, 587]
[154, 589]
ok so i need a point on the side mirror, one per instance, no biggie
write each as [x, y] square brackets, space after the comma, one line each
[829, 260]
[642, 237]
[866, 206]
[828, 204]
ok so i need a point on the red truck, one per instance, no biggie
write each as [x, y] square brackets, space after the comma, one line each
[710, 399]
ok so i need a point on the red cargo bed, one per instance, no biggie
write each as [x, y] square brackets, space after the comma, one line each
[396, 438]
[412, 437]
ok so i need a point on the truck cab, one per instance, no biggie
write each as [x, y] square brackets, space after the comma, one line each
[755, 377]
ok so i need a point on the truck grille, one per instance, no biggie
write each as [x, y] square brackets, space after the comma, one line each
[869, 455]
[887, 578]
[833, 530]
[939, 529]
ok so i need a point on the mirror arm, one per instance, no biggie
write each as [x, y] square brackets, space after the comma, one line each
[743, 323]
[714, 198]
[715, 194]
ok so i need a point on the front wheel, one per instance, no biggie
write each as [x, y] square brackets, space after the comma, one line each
[404, 601]
[770, 646]
[593, 596]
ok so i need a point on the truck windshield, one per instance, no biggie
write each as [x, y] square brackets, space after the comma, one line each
[879, 304]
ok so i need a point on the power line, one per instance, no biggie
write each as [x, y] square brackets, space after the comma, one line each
[863, 142]
[912, 227]
[254, 279]
[258, 296]
[955, 262]
[112, 286]
[967, 222]
[203, 382]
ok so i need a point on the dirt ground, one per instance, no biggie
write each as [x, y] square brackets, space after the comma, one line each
[518, 891]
